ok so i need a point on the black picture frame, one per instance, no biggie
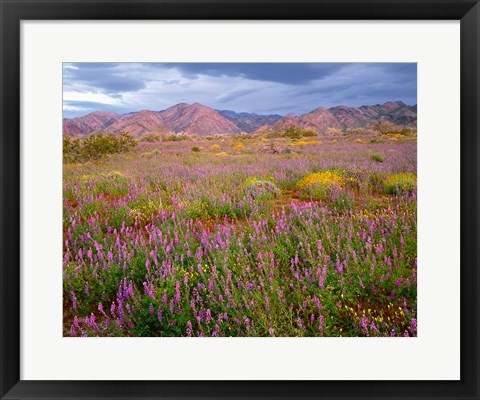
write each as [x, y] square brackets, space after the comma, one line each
[14, 11]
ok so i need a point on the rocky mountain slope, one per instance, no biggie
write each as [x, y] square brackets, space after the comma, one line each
[318, 120]
[394, 111]
[137, 123]
[89, 123]
[197, 119]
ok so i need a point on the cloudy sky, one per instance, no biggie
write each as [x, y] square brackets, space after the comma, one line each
[263, 88]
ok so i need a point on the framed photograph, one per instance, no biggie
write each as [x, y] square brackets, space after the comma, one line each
[234, 199]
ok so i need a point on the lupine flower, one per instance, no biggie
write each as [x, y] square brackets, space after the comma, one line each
[189, 329]
[364, 325]
[361, 283]
[73, 299]
[413, 325]
[321, 322]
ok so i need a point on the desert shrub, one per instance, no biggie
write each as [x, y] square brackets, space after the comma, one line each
[377, 158]
[175, 138]
[351, 178]
[385, 127]
[195, 149]
[151, 137]
[319, 185]
[376, 141]
[407, 131]
[244, 136]
[309, 134]
[325, 177]
[96, 146]
[294, 132]
[376, 181]
[72, 150]
[400, 183]
[214, 146]
[262, 189]
[239, 146]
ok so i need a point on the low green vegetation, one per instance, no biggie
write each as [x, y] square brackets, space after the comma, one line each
[96, 147]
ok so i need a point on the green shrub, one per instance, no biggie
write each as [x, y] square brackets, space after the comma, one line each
[175, 138]
[386, 127]
[72, 149]
[376, 181]
[351, 178]
[309, 134]
[151, 137]
[319, 185]
[377, 158]
[400, 183]
[294, 132]
[195, 149]
[406, 131]
[96, 146]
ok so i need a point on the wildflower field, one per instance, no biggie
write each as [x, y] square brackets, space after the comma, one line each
[220, 238]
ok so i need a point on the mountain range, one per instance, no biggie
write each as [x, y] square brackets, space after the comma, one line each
[197, 119]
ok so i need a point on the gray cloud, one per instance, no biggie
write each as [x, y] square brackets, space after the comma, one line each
[234, 94]
[252, 87]
[287, 73]
[106, 78]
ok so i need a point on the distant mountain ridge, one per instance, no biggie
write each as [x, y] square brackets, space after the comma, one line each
[343, 118]
[197, 119]
[249, 122]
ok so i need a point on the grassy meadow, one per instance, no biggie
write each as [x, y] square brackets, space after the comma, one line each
[243, 236]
